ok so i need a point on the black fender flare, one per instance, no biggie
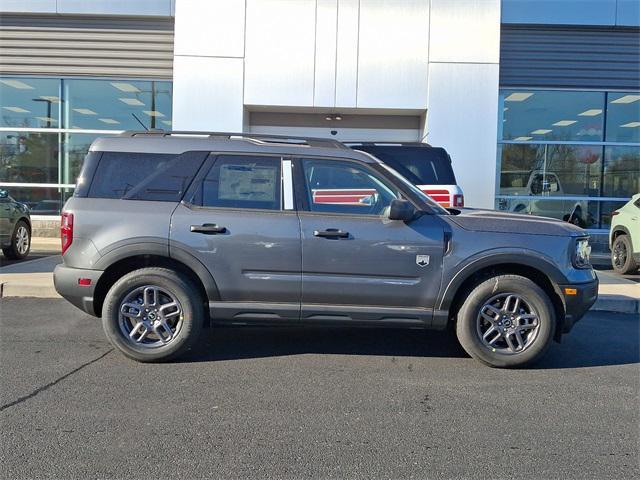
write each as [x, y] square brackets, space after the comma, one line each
[524, 257]
[625, 231]
[160, 248]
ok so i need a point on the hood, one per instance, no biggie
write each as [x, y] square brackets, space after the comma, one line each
[503, 222]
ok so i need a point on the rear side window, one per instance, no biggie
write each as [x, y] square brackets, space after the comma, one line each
[145, 176]
[419, 165]
[239, 181]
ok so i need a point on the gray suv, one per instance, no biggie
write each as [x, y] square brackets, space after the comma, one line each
[168, 233]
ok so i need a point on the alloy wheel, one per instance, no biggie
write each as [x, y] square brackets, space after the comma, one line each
[22, 240]
[619, 254]
[150, 317]
[507, 324]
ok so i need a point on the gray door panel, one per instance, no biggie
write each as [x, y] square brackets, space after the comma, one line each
[256, 259]
[376, 265]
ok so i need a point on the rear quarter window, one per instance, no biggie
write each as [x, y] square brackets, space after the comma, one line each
[144, 176]
[419, 165]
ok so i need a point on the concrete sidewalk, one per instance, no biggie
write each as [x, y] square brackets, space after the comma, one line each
[34, 278]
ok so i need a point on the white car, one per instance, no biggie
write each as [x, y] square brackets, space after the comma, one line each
[624, 237]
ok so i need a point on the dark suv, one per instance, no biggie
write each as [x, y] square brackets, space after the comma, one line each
[169, 232]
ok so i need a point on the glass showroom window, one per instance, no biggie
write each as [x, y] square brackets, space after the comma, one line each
[569, 155]
[48, 124]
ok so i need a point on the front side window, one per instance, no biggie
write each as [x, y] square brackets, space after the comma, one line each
[345, 187]
[236, 181]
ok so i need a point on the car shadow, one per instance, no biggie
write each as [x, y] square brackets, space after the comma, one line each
[600, 339]
[233, 343]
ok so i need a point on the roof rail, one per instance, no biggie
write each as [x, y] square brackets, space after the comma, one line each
[259, 138]
[387, 144]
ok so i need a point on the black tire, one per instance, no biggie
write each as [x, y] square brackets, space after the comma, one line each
[622, 259]
[13, 251]
[470, 338]
[170, 281]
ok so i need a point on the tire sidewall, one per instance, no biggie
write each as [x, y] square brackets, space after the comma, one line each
[14, 241]
[628, 262]
[466, 328]
[184, 293]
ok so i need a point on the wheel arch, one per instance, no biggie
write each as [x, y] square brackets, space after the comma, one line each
[122, 265]
[543, 274]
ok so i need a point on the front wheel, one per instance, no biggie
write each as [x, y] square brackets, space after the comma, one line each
[506, 321]
[153, 314]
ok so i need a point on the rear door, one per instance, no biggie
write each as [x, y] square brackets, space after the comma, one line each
[238, 219]
[357, 264]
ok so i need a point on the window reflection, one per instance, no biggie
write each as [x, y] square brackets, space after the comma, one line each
[621, 171]
[29, 102]
[29, 157]
[41, 201]
[118, 105]
[623, 117]
[550, 170]
[530, 115]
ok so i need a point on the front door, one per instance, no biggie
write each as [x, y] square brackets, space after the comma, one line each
[357, 264]
[239, 221]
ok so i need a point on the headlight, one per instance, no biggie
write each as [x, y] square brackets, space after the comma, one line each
[581, 258]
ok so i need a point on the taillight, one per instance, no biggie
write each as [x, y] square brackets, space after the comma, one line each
[66, 230]
[458, 200]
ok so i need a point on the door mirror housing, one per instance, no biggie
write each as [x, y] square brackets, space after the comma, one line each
[4, 193]
[401, 210]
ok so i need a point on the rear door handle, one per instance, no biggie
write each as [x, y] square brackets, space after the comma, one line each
[331, 233]
[208, 229]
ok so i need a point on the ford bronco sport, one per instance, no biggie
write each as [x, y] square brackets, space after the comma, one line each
[170, 232]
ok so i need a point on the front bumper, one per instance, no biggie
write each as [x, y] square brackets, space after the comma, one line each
[578, 299]
[66, 282]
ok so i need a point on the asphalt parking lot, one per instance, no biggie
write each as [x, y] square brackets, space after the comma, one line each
[321, 403]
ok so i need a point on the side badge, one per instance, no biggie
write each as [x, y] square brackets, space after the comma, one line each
[422, 260]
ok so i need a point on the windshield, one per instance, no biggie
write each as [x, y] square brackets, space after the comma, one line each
[420, 165]
[416, 191]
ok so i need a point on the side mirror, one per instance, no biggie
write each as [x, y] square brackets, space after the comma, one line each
[3, 193]
[401, 210]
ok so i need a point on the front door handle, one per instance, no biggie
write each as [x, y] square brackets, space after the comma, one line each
[208, 229]
[331, 233]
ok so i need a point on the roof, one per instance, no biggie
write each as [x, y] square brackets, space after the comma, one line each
[177, 142]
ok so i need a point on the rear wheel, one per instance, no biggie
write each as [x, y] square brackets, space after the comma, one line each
[622, 255]
[153, 314]
[20, 242]
[506, 321]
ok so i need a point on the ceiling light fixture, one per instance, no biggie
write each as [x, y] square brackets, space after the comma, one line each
[166, 122]
[84, 111]
[522, 139]
[590, 113]
[47, 119]
[50, 98]
[631, 125]
[110, 121]
[564, 123]
[627, 99]
[125, 87]
[131, 101]
[16, 109]
[541, 131]
[17, 84]
[518, 96]
[154, 113]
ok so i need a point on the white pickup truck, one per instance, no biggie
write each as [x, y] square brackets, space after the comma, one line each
[546, 187]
